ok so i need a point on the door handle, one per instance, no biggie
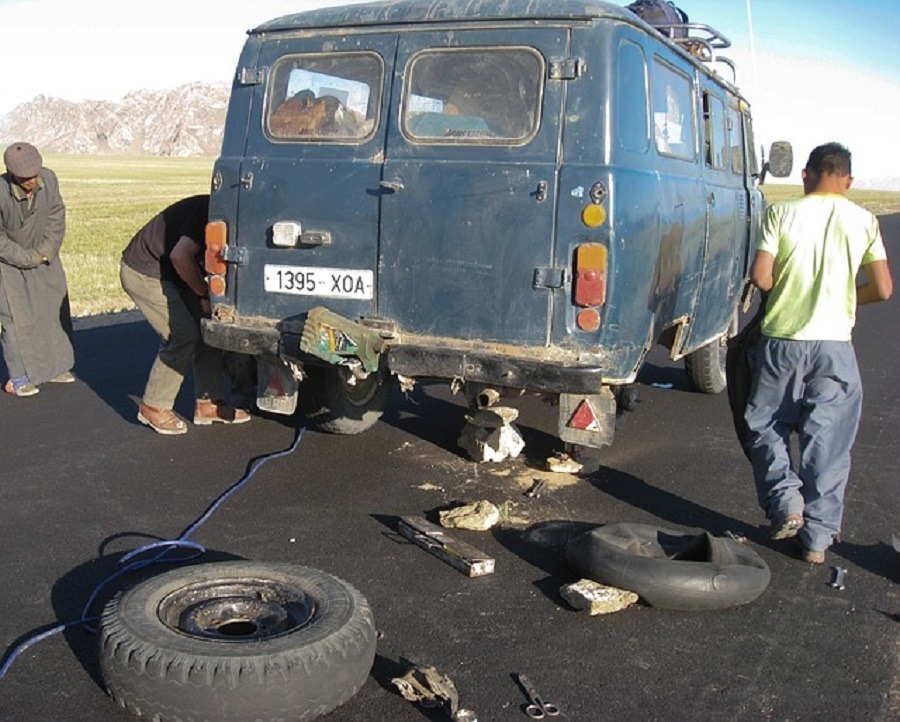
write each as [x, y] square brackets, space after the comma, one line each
[247, 181]
[391, 186]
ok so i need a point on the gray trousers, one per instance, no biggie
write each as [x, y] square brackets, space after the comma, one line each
[176, 319]
[812, 388]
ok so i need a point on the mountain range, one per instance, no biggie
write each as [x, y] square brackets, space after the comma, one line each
[180, 122]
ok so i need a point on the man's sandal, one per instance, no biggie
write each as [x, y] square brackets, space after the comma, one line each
[785, 527]
[162, 421]
[209, 412]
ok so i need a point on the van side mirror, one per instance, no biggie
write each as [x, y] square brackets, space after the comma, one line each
[781, 161]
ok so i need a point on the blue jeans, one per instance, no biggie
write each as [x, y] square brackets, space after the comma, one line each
[812, 388]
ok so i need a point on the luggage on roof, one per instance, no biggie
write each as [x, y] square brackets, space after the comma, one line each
[661, 14]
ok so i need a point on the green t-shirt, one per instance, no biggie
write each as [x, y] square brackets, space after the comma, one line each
[819, 242]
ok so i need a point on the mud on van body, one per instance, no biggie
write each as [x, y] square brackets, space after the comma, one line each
[510, 196]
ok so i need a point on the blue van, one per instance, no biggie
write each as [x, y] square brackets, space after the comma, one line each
[508, 196]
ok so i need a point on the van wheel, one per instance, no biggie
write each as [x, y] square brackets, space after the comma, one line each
[236, 641]
[331, 403]
[705, 367]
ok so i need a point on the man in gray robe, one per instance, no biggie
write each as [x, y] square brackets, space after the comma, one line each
[35, 321]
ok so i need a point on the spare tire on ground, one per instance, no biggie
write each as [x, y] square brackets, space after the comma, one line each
[236, 641]
[670, 569]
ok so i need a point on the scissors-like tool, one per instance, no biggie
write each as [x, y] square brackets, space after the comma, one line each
[536, 707]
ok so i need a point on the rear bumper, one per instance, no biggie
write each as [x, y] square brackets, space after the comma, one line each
[466, 362]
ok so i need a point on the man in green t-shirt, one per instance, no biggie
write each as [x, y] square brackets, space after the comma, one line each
[806, 377]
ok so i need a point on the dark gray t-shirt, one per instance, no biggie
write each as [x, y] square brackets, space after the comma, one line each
[148, 252]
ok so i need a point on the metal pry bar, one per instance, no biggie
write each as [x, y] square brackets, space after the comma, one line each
[461, 556]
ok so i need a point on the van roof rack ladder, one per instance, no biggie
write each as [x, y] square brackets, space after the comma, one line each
[700, 41]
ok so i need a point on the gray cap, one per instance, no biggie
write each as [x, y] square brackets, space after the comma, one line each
[23, 160]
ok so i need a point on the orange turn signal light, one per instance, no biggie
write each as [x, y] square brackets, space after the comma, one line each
[216, 239]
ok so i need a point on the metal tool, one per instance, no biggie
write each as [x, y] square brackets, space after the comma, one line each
[838, 580]
[535, 491]
[536, 708]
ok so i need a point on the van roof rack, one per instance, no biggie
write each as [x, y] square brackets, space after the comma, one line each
[700, 41]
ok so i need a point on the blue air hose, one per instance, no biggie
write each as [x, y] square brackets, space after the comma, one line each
[132, 560]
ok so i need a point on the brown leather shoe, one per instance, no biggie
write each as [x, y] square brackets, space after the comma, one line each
[218, 412]
[162, 421]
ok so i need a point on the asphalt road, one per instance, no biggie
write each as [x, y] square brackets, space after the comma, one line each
[82, 483]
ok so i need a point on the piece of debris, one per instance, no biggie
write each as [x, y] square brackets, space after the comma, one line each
[536, 488]
[561, 463]
[661, 385]
[597, 598]
[458, 554]
[477, 516]
[428, 486]
[429, 688]
[739, 538]
[489, 434]
[839, 574]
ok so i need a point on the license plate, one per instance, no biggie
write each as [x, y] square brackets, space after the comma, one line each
[327, 282]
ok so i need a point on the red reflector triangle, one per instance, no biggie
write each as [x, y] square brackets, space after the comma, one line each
[584, 418]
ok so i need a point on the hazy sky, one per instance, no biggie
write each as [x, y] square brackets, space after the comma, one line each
[823, 69]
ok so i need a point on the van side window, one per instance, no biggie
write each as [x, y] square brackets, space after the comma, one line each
[750, 145]
[473, 96]
[631, 91]
[715, 142]
[735, 140]
[673, 111]
[324, 96]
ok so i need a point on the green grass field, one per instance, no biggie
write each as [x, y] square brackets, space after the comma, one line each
[108, 198]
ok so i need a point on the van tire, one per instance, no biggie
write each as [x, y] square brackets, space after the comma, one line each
[166, 652]
[705, 367]
[335, 406]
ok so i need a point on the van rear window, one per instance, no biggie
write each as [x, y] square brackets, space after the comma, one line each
[473, 96]
[325, 97]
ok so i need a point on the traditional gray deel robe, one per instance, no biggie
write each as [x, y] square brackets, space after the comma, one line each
[34, 301]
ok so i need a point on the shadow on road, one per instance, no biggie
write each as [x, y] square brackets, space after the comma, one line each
[115, 383]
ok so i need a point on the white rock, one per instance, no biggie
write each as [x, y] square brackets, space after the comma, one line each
[477, 516]
[491, 444]
[563, 464]
[597, 598]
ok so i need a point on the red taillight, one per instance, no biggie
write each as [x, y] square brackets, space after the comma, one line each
[589, 280]
[589, 284]
[216, 238]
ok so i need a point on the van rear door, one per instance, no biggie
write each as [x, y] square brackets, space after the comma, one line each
[470, 178]
[309, 183]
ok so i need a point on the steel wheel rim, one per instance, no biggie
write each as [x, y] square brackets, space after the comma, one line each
[236, 610]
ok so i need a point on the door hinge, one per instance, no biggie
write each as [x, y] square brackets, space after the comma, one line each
[252, 76]
[549, 277]
[566, 68]
[234, 254]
